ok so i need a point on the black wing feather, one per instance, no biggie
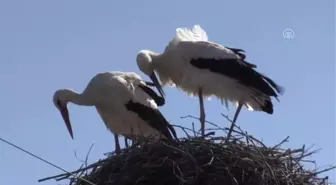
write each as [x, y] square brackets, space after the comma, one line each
[158, 99]
[152, 117]
[249, 64]
[241, 54]
[244, 74]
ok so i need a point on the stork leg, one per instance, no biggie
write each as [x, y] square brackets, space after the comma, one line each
[117, 145]
[126, 142]
[132, 141]
[202, 112]
[127, 138]
[240, 105]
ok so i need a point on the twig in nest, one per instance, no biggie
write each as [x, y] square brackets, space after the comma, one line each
[211, 123]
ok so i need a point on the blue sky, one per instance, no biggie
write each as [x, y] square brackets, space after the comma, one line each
[47, 45]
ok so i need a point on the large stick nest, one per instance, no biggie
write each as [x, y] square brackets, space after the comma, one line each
[242, 160]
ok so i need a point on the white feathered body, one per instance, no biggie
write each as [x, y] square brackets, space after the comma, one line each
[111, 91]
[174, 69]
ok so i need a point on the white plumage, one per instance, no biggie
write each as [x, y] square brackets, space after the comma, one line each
[204, 68]
[125, 103]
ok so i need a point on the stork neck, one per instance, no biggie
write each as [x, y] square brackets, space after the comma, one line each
[79, 99]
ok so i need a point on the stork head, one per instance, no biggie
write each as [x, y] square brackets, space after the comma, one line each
[145, 63]
[144, 60]
[61, 99]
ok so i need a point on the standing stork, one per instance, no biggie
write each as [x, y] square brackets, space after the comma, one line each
[204, 68]
[125, 103]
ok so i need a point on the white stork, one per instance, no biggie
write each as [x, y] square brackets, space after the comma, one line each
[125, 103]
[204, 68]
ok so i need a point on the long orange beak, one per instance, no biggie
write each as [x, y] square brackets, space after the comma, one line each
[65, 115]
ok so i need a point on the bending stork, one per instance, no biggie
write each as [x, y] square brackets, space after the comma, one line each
[125, 103]
[200, 67]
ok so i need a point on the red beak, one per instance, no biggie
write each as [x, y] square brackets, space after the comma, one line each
[65, 114]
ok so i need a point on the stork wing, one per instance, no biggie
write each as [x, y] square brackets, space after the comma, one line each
[209, 50]
[250, 64]
[158, 99]
[204, 49]
[242, 73]
[152, 117]
[238, 51]
[197, 38]
[242, 55]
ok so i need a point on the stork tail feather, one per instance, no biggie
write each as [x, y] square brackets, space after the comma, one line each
[277, 87]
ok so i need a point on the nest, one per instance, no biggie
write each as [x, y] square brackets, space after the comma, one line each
[241, 160]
